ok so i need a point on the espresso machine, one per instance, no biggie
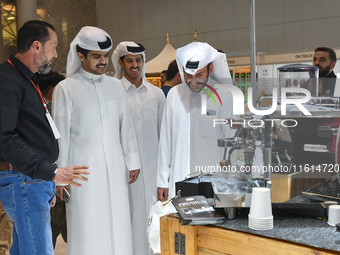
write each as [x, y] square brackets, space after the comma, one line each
[233, 184]
[288, 153]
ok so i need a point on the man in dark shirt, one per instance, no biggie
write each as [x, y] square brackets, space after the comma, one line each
[325, 59]
[28, 146]
[173, 77]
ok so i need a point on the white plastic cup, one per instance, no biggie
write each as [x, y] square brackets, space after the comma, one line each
[261, 206]
[333, 215]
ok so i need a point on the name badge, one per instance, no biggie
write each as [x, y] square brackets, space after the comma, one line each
[52, 125]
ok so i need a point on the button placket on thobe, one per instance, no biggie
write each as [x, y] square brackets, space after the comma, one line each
[136, 110]
[103, 117]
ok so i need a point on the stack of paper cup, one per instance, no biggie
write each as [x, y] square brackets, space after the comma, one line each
[260, 216]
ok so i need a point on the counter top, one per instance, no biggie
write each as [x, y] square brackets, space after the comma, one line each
[294, 235]
[291, 227]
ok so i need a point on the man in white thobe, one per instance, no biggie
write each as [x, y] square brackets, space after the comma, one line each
[91, 112]
[188, 137]
[146, 103]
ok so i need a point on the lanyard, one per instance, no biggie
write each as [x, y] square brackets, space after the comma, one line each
[35, 86]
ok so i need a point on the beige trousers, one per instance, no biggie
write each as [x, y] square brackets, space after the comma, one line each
[5, 231]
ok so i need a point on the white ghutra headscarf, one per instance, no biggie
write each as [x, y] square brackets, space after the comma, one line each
[88, 38]
[123, 49]
[196, 55]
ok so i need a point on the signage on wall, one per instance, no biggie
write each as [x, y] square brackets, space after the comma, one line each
[303, 55]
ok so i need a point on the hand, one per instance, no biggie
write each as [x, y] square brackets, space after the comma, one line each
[134, 175]
[54, 200]
[65, 175]
[60, 189]
[162, 194]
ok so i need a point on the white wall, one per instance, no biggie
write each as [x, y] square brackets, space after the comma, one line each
[281, 25]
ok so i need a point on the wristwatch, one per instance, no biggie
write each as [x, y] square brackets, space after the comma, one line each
[54, 174]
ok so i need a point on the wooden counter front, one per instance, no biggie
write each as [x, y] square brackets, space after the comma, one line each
[210, 240]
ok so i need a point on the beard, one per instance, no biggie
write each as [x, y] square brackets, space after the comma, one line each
[45, 70]
[43, 64]
[323, 72]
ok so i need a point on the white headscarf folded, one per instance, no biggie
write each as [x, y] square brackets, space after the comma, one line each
[197, 55]
[88, 38]
[123, 49]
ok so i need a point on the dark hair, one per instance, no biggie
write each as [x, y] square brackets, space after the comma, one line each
[82, 51]
[208, 66]
[332, 54]
[172, 70]
[49, 81]
[165, 71]
[32, 30]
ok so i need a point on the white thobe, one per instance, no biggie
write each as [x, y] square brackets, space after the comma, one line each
[146, 105]
[95, 124]
[188, 139]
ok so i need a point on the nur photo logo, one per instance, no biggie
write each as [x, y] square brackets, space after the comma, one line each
[238, 99]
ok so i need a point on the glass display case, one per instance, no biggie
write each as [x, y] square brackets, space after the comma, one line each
[298, 76]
